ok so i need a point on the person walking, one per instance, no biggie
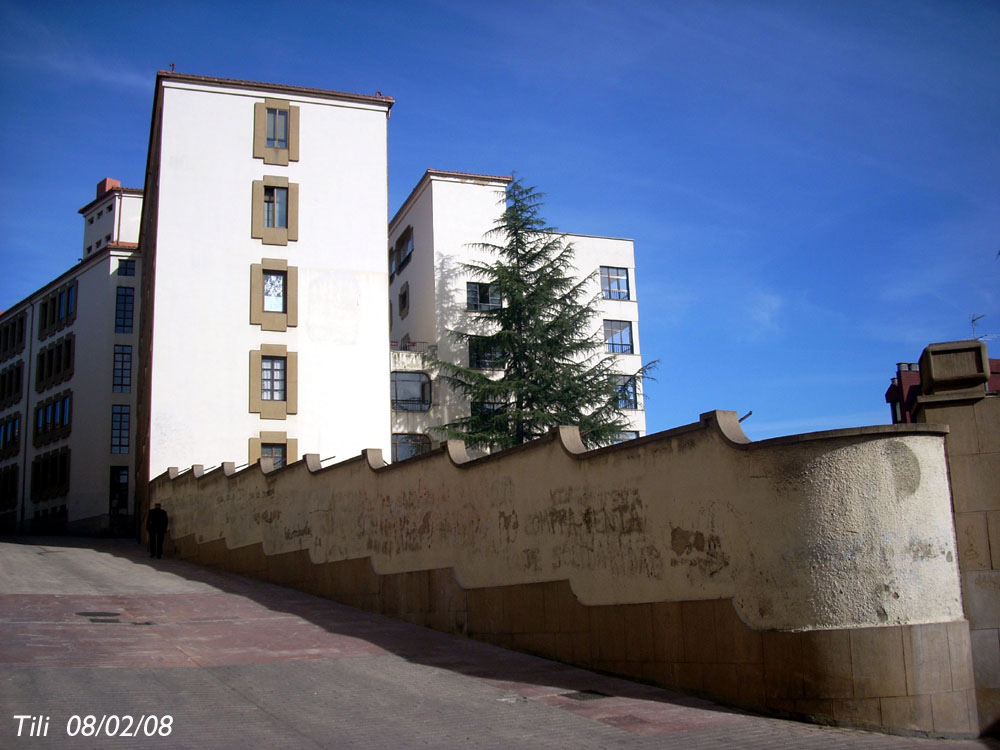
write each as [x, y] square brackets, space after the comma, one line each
[156, 526]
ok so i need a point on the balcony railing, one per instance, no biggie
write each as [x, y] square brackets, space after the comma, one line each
[409, 346]
[411, 404]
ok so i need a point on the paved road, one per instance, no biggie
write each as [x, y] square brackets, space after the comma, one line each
[98, 630]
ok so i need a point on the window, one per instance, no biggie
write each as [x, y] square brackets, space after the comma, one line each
[272, 378]
[488, 408]
[9, 487]
[53, 419]
[118, 491]
[275, 131]
[126, 267]
[626, 435]
[121, 380]
[482, 296]
[274, 451]
[406, 446]
[274, 210]
[54, 363]
[628, 397]
[618, 336]
[614, 282]
[274, 445]
[10, 436]
[411, 391]
[273, 382]
[12, 337]
[50, 475]
[277, 128]
[401, 251]
[119, 428]
[404, 300]
[483, 354]
[275, 207]
[274, 291]
[124, 309]
[11, 384]
[57, 310]
[90, 220]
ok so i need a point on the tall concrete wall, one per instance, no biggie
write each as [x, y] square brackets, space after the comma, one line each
[813, 576]
[955, 378]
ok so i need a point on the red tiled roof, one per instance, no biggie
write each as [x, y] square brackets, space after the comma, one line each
[377, 98]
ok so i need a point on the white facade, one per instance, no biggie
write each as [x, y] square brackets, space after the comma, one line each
[199, 226]
[68, 433]
[237, 308]
[112, 217]
[448, 213]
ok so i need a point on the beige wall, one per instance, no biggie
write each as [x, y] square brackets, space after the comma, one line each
[948, 372]
[847, 533]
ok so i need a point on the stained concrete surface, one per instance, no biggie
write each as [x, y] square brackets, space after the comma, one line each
[97, 628]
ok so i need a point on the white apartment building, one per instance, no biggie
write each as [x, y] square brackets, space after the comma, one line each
[431, 293]
[67, 383]
[238, 312]
[264, 304]
[237, 307]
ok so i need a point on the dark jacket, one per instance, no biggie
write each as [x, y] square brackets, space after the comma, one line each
[156, 521]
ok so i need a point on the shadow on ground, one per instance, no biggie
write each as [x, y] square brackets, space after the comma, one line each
[412, 642]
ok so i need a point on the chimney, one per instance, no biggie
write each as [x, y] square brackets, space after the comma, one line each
[107, 184]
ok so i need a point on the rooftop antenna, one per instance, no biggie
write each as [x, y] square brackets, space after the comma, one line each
[975, 319]
[983, 336]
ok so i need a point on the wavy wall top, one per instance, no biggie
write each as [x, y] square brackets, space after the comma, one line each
[827, 530]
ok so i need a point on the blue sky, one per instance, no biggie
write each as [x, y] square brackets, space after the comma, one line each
[813, 187]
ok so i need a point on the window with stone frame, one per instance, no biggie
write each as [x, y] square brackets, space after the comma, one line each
[276, 452]
[407, 445]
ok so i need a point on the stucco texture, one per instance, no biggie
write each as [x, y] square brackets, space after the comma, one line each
[813, 575]
[844, 529]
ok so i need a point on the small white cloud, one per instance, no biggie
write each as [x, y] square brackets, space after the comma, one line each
[86, 68]
[762, 310]
[31, 42]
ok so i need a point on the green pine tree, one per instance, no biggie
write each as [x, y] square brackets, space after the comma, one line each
[554, 371]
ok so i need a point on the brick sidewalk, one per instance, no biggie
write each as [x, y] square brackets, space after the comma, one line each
[100, 629]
